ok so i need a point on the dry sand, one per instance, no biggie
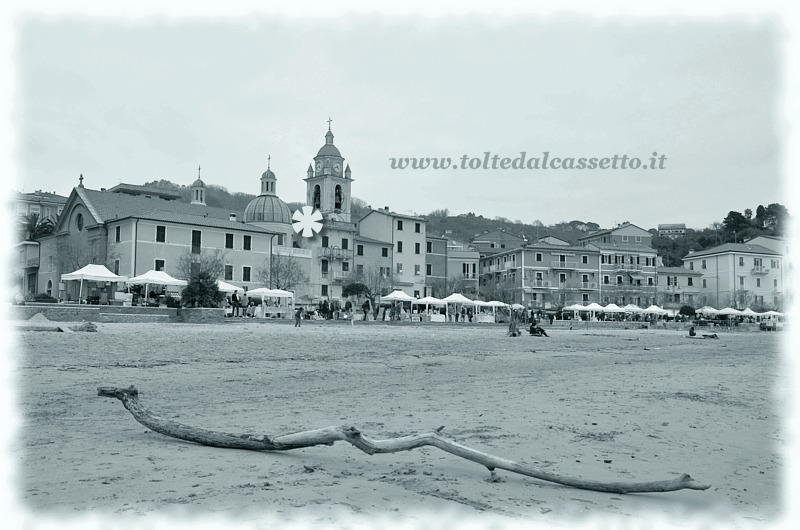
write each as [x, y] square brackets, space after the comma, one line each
[653, 402]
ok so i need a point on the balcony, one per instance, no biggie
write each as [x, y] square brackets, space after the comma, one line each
[627, 267]
[759, 269]
[537, 284]
[339, 225]
[510, 265]
[336, 253]
[342, 276]
[292, 252]
[587, 285]
[558, 264]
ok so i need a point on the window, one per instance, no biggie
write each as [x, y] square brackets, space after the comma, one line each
[161, 234]
[324, 267]
[624, 239]
[245, 274]
[741, 261]
[585, 297]
[228, 273]
[196, 241]
[606, 279]
[228, 240]
[359, 269]
[690, 281]
[757, 263]
[324, 290]
[417, 270]
[416, 294]
[538, 256]
[117, 234]
[345, 243]
[399, 247]
[280, 240]
[384, 252]
[703, 264]
[585, 259]
[360, 250]
[649, 280]
[775, 264]
[675, 281]
[775, 283]
[741, 281]
[428, 247]
[325, 241]
[428, 269]
[638, 239]
[417, 227]
[416, 248]
[704, 283]
[691, 265]
[669, 281]
[247, 243]
[159, 265]
[399, 225]
[49, 289]
[399, 268]
[619, 280]
[758, 282]
[345, 266]
[116, 267]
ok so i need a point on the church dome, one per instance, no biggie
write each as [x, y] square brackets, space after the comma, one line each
[267, 209]
[268, 174]
[329, 149]
[198, 183]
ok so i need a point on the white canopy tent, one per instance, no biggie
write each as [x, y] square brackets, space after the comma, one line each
[707, 310]
[398, 296]
[155, 278]
[771, 313]
[749, 313]
[265, 292]
[729, 311]
[455, 298]
[574, 308]
[226, 287]
[428, 300]
[517, 306]
[654, 310]
[91, 272]
[632, 308]
[613, 308]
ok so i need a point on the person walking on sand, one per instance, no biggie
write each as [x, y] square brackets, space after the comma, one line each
[298, 316]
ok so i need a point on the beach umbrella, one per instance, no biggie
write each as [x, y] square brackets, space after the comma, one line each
[91, 272]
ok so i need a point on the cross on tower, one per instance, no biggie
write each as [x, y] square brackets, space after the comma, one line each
[80, 180]
[198, 171]
[269, 158]
[329, 123]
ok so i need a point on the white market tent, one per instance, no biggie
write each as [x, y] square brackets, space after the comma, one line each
[749, 313]
[397, 296]
[632, 308]
[428, 300]
[594, 306]
[771, 313]
[457, 298]
[574, 308]
[707, 310]
[155, 278]
[729, 311]
[226, 287]
[613, 308]
[655, 310]
[517, 306]
[91, 272]
[264, 292]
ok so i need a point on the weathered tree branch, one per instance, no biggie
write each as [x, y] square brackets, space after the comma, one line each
[329, 435]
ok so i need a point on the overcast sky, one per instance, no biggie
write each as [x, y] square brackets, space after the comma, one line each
[132, 102]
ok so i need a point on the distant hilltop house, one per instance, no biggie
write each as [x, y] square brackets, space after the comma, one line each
[672, 231]
[494, 241]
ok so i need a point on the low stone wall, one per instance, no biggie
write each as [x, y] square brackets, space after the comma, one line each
[115, 313]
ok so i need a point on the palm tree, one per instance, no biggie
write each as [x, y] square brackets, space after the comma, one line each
[32, 228]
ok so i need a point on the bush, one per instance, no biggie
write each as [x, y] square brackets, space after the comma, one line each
[686, 310]
[202, 291]
[44, 298]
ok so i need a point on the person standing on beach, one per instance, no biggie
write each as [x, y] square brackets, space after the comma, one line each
[298, 316]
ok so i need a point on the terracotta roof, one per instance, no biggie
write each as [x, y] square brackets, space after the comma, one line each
[630, 247]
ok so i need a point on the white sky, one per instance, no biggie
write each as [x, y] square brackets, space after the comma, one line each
[123, 101]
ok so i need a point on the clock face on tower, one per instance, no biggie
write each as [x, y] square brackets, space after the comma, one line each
[337, 167]
[319, 166]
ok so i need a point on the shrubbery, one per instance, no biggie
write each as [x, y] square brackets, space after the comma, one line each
[202, 291]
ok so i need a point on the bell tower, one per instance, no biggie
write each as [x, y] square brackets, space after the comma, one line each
[328, 182]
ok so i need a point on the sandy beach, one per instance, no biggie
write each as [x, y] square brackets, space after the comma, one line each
[623, 405]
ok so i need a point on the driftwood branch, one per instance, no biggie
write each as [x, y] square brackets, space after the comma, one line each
[329, 435]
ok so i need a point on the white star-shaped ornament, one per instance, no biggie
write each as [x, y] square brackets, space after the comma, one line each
[307, 222]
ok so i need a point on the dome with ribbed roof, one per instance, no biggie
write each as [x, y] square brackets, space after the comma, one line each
[198, 183]
[329, 149]
[267, 209]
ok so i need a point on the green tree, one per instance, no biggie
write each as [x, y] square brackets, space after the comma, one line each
[735, 223]
[202, 291]
[31, 227]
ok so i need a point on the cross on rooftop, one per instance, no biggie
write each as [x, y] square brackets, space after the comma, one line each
[329, 123]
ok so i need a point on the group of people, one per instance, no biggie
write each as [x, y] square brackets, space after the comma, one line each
[234, 303]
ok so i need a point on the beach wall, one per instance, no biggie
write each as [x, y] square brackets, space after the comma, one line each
[114, 313]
